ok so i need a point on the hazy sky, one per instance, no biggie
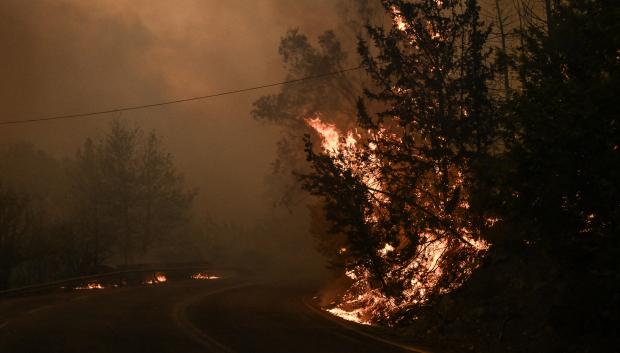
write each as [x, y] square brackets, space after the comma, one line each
[70, 56]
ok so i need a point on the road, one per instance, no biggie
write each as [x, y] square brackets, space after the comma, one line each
[185, 316]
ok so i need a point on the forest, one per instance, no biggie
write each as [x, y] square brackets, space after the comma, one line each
[118, 200]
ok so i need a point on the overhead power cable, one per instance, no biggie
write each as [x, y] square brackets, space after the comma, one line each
[176, 101]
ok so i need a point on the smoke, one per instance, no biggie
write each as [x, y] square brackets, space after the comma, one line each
[71, 56]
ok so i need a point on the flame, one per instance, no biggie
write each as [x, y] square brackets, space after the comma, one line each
[330, 136]
[157, 278]
[399, 20]
[93, 285]
[200, 275]
[354, 315]
[386, 249]
[363, 303]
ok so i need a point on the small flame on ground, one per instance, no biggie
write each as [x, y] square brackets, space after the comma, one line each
[200, 275]
[157, 278]
[353, 315]
[93, 285]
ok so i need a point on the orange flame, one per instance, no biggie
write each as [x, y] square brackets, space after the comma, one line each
[362, 302]
[93, 285]
[200, 275]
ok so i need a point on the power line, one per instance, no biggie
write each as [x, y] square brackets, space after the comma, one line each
[176, 101]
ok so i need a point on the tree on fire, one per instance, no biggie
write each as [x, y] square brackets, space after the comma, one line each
[332, 97]
[421, 152]
[532, 173]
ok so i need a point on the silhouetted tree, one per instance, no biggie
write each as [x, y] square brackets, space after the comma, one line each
[15, 224]
[128, 193]
[163, 200]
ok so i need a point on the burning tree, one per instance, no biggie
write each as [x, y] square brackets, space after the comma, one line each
[404, 188]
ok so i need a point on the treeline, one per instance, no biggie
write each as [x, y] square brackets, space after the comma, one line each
[480, 202]
[119, 200]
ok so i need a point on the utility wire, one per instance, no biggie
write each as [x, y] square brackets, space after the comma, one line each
[183, 100]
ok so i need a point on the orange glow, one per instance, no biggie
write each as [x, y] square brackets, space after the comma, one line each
[399, 20]
[93, 285]
[200, 275]
[354, 315]
[363, 302]
[330, 136]
[157, 278]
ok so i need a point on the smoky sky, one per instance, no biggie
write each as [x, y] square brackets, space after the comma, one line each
[72, 56]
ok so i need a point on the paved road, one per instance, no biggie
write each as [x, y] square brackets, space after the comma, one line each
[186, 316]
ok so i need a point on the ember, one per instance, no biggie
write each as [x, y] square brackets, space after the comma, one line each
[157, 278]
[93, 285]
[200, 275]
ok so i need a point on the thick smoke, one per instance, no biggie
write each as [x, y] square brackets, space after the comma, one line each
[71, 56]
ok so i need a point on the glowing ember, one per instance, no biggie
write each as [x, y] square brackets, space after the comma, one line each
[203, 276]
[349, 315]
[93, 285]
[399, 20]
[157, 278]
[386, 249]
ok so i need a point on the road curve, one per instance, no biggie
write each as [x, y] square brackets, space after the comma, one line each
[186, 316]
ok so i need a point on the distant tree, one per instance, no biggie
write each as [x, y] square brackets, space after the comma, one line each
[128, 193]
[163, 201]
[90, 207]
[15, 225]
[28, 170]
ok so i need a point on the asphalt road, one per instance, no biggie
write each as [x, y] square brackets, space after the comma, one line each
[185, 316]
